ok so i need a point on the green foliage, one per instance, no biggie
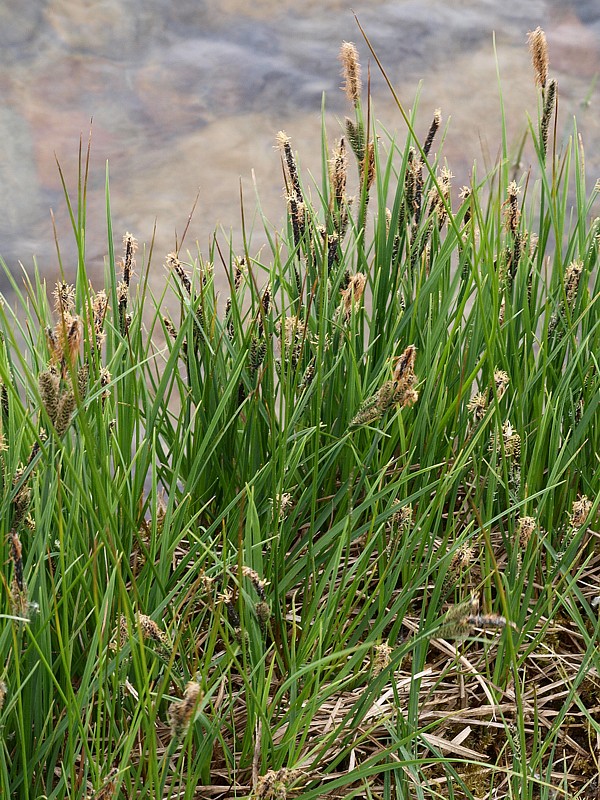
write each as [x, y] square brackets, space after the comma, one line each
[240, 546]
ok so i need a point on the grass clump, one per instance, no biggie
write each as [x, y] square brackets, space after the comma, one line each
[332, 534]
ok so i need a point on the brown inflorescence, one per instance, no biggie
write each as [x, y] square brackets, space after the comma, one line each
[382, 656]
[538, 47]
[399, 391]
[181, 712]
[351, 71]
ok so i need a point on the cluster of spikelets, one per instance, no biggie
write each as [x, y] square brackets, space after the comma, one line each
[62, 385]
[146, 631]
[461, 619]
[397, 392]
[274, 784]
[538, 47]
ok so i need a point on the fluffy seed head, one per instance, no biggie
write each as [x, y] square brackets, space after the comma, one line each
[381, 658]
[501, 380]
[572, 278]
[538, 47]
[181, 712]
[525, 530]
[350, 71]
[478, 405]
[352, 294]
[64, 298]
[581, 509]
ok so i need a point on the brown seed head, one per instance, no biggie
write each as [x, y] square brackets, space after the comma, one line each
[99, 306]
[281, 504]
[571, 282]
[462, 559]
[174, 265]
[338, 173]
[433, 129]
[404, 370]
[478, 405]
[48, 382]
[273, 785]
[150, 629]
[19, 600]
[263, 612]
[501, 381]
[130, 245]
[525, 530]
[350, 71]
[402, 519]
[284, 144]
[512, 441]
[538, 47]
[581, 509]
[370, 166]
[258, 582]
[353, 293]
[381, 657]
[181, 712]
[64, 298]
[64, 411]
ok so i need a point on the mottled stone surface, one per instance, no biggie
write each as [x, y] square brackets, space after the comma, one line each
[189, 95]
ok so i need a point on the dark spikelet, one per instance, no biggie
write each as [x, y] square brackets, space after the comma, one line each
[16, 555]
[549, 102]
[263, 311]
[130, 245]
[4, 403]
[170, 328]
[54, 345]
[258, 583]
[258, 350]
[232, 615]
[263, 612]
[229, 321]
[174, 264]
[332, 251]
[368, 173]
[399, 392]
[284, 143]
[122, 299]
[238, 272]
[433, 129]
[21, 499]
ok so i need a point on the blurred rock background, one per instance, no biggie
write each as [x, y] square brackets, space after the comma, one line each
[187, 97]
